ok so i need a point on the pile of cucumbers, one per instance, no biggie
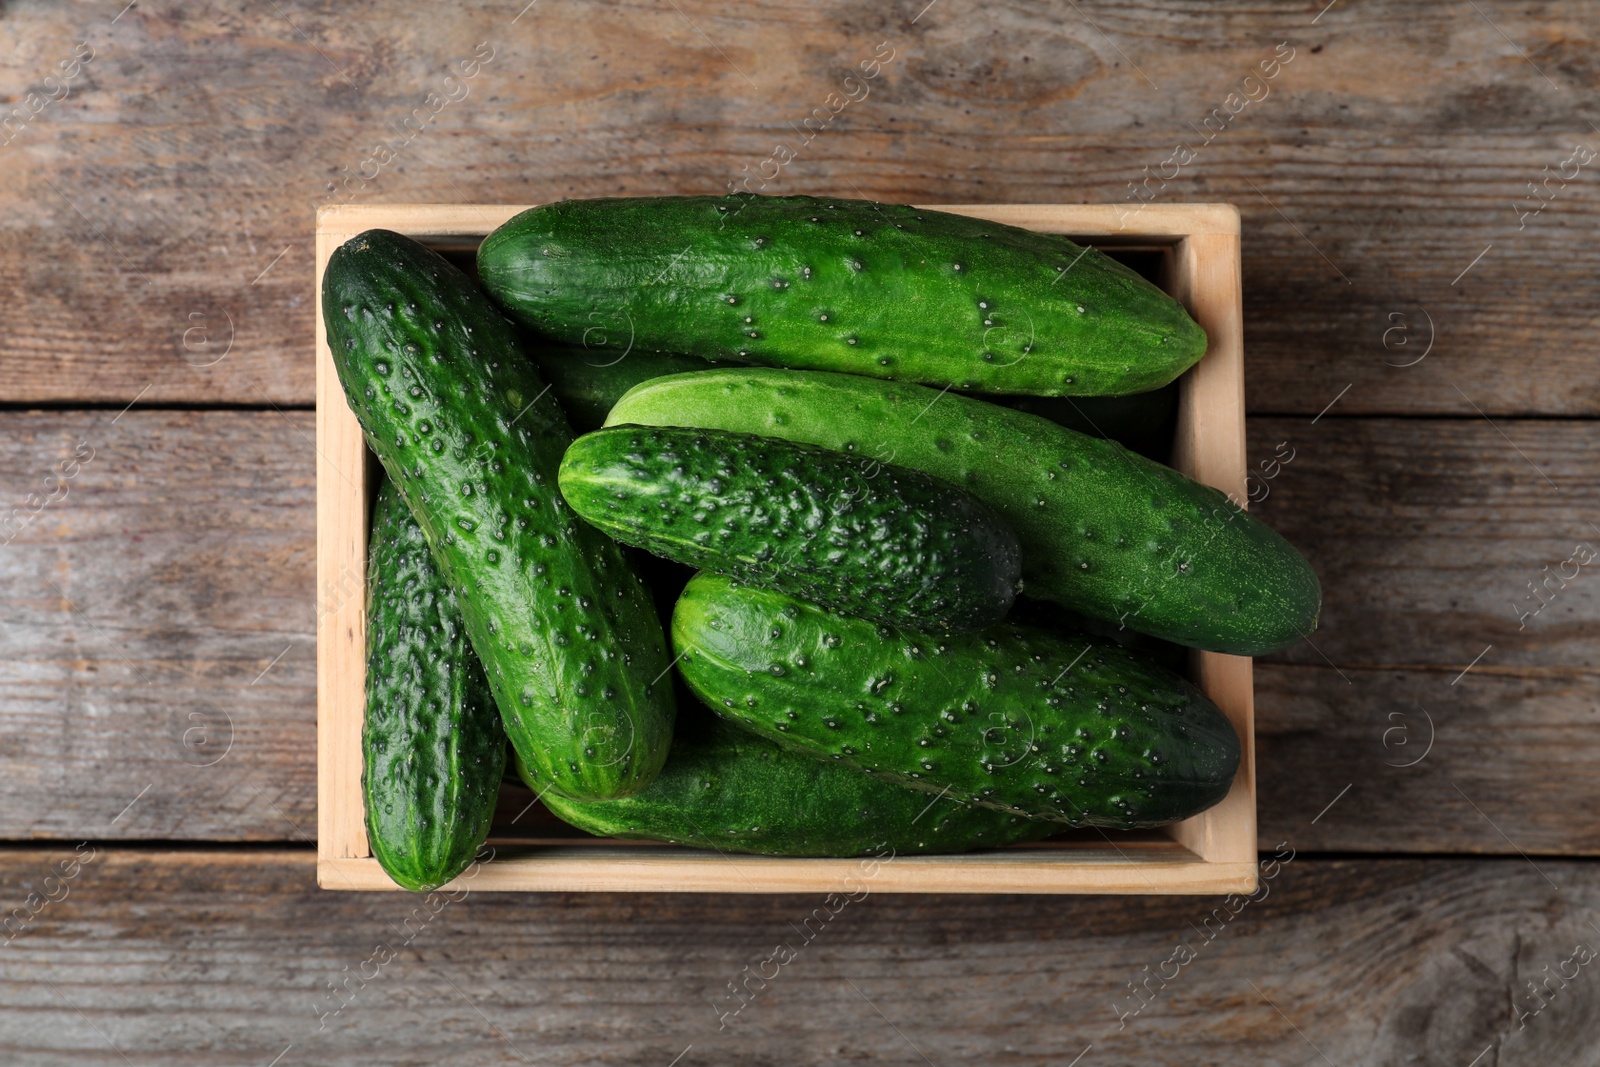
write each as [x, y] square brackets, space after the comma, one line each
[923, 616]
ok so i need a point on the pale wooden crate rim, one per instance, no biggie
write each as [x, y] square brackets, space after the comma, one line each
[1214, 852]
[1101, 220]
[628, 868]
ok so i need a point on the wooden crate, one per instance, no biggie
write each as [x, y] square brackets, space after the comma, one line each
[1214, 852]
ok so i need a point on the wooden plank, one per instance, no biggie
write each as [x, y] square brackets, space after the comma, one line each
[185, 542]
[1404, 762]
[1209, 445]
[1427, 536]
[230, 957]
[470, 221]
[157, 641]
[344, 522]
[1455, 704]
[1159, 867]
[158, 226]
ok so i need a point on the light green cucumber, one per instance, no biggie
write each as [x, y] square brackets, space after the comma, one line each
[1103, 531]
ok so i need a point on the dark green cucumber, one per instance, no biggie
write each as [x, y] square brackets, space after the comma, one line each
[863, 538]
[1103, 531]
[1072, 729]
[842, 285]
[567, 634]
[433, 749]
[727, 789]
[588, 381]
[1141, 423]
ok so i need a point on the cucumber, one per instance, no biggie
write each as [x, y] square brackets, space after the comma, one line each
[459, 418]
[588, 381]
[727, 789]
[842, 285]
[1074, 730]
[876, 541]
[1141, 423]
[433, 750]
[1103, 531]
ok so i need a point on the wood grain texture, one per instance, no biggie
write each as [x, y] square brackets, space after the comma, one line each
[1428, 534]
[157, 244]
[187, 543]
[158, 222]
[1147, 865]
[1454, 684]
[1210, 446]
[162, 959]
[157, 640]
[1503, 764]
[346, 481]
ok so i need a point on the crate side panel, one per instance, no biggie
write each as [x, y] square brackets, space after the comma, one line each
[1210, 447]
[343, 521]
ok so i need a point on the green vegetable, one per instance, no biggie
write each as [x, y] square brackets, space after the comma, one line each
[433, 750]
[459, 418]
[1141, 423]
[843, 285]
[866, 539]
[1070, 729]
[588, 381]
[1103, 531]
[727, 789]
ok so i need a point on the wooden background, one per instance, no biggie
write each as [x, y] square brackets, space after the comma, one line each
[1422, 339]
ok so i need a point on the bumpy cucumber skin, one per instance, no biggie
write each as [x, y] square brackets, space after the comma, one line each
[842, 285]
[567, 634]
[870, 540]
[1074, 729]
[433, 749]
[1104, 531]
[588, 381]
[727, 789]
